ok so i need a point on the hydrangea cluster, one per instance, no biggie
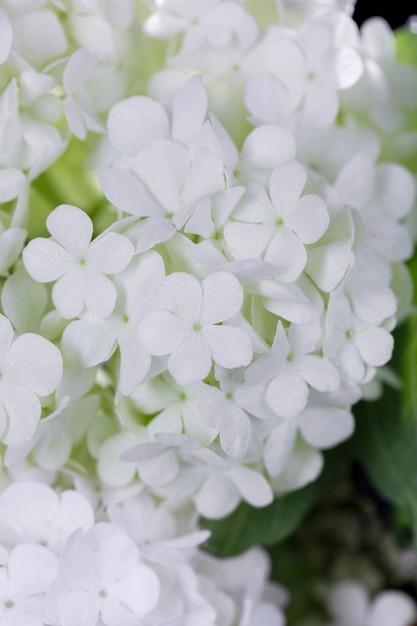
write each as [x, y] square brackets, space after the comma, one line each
[195, 333]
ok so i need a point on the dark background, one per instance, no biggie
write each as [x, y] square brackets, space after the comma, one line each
[396, 12]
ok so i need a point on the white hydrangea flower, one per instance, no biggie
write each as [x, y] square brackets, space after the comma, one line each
[187, 326]
[102, 577]
[280, 226]
[79, 267]
[25, 577]
[31, 368]
[36, 513]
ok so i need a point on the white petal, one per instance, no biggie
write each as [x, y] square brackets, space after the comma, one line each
[110, 253]
[33, 363]
[191, 362]
[39, 37]
[246, 241]
[286, 185]
[189, 110]
[162, 332]
[112, 471]
[12, 181]
[349, 67]
[135, 362]
[167, 161]
[136, 122]
[267, 147]
[138, 590]
[375, 346]
[349, 599]
[321, 104]
[181, 293]
[230, 347]
[252, 486]
[75, 118]
[287, 252]
[6, 37]
[67, 295]
[23, 411]
[72, 228]
[77, 70]
[99, 293]
[392, 608]
[326, 427]
[151, 231]
[222, 297]
[160, 470]
[26, 510]
[6, 336]
[309, 219]
[128, 193]
[11, 244]
[31, 570]
[217, 498]
[236, 433]
[279, 447]
[318, 372]
[213, 406]
[89, 342]
[46, 260]
[287, 395]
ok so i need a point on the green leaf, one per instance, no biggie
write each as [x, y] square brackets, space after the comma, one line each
[385, 441]
[272, 524]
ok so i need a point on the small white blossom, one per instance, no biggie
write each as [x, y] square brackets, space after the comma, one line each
[187, 326]
[78, 266]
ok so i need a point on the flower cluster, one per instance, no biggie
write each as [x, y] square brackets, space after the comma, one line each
[197, 332]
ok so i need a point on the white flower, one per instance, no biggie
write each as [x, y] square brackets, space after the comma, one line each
[279, 226]
[187, 326]
[24, 581]
[30, 368]
[35, 513]
[101, 576]
[78, 266]
[288, 369]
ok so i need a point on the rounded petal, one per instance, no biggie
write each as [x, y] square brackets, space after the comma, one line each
[23, 412]
[286, 185]
[235, 435]
[138, 590]
[217, 498]
[267, 147]
[318, 372]
[252, 486]
[230, 347]
[279, 447]
[110, 253]
[287, 395]
[6, 336]
[326, 426]
[375, 346]
[67, 295]
[162, 332]
[46, 260]
[392, 608]
[72, 228]
[181, 294]
[11, 244]
[287, 252]
[31, 570]
[26, 510]
[191, 362]
[12, 180]
[309, 219]
[99, 293]
[33, 363]
[136, 122]
[222, 297]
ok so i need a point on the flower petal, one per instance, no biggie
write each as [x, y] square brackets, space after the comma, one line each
[23, 411]
[287, 395]
[222, 297]
[110, 253]
[191, 362]
[161, 332]
[46, 260]
[135, 122]
[230, 347]
[72, 228]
